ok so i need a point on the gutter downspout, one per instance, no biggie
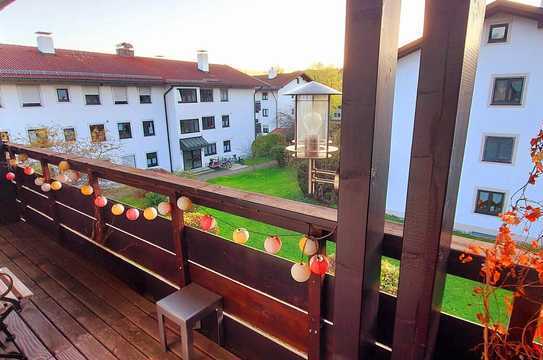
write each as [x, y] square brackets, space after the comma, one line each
[276, 113]
[168, 126]
[254, 108]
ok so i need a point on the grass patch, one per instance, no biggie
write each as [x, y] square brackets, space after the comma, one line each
[256, 161]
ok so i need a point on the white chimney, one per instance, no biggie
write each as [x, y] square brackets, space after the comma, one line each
[45, 42]
[272, 73]
[203, 62]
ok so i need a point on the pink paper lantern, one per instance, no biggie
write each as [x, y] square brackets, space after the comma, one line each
[319, 264]
[100, 201]
[10, 176]
[132, 214]
[28, 170]
[206, 222]
[273, 244]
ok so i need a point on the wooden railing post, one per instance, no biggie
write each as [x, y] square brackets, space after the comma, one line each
[449, 55]
[8, 197]
[371, 53]
[314, 305]
[178, 225]
[99, 223]
[53, 210]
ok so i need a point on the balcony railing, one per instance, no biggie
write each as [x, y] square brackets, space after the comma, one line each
[266, 311]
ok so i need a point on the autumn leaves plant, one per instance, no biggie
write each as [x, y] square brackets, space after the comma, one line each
[513, 262]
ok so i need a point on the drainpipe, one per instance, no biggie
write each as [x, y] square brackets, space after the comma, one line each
[168, 127]
[254, 108]
[276, 113]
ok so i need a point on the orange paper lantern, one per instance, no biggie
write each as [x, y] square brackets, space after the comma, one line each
[150, 213]
[56, 185]
[308, 246]
[63, 166]
[87, 190]
[240, 236]
[117, 209]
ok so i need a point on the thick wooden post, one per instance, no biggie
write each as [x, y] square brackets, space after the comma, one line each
[448, 63]
[371, 51]
[178, 225]
[99, 223]
[8, 204]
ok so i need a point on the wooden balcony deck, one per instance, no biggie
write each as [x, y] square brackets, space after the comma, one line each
[79, 310]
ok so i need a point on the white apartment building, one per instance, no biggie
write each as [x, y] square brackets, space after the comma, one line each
[506, 112]
[274, 109]
[175, 115]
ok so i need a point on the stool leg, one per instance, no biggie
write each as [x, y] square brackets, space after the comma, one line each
[220, 333]
[161, 331]
[186, 341]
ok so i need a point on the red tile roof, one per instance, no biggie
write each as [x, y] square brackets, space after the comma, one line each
[27, 63]
[281, 79]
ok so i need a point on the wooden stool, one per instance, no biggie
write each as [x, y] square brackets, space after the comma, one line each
[186, 307]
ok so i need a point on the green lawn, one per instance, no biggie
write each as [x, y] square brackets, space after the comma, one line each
[255, 161]
[281, 182]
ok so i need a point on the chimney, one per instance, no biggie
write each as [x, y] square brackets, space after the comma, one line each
[125, 49]
[272, 73]
[203, 62]
[45, 42]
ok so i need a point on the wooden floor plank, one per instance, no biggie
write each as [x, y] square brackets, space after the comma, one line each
[127, 301]
[103, 334]
[136, 308]
[135, 335]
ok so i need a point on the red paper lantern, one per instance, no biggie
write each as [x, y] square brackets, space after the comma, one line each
[100, 201]
[29, 170]
[206, 222]
[10, 176]
[319, 264]
[132, 214]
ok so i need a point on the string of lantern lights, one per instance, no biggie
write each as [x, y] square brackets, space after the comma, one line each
[300, 271]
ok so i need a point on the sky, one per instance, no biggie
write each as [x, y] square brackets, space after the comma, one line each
[248, 34]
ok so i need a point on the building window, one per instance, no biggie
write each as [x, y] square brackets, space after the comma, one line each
[265, 112]
[206, 95]
[208, 122]
[265, 129]
[63, 95]
[69, 134]
[4, 136]
[125, 130]
[120, 96]
[508, 91]
[257, 106]
[224, 94]
[92, 95]
[149, 128]
[210, 149]
[489, 202]
[225, 121]
[264, 96]
[499, 149]
[145, 95]
[189, 126]
[98, 133]
[30, 95]
[38, 137]
[297, 80]
[187, 95]
[152, 159]
[128, 160]
[226, 146]
[498, 33]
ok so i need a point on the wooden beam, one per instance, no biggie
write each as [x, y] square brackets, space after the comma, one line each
[8, 204]
[371, 49]
[448, 63]
[99, 223]
[178, 230]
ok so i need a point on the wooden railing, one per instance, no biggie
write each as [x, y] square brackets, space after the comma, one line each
[268, 315]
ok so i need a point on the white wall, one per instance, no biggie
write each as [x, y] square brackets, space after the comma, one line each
[240, 133]
[17, 119]
[521, 55]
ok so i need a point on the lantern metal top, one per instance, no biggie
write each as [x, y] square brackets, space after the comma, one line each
[313, 88]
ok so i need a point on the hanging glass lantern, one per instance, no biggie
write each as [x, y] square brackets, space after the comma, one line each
[312, 101]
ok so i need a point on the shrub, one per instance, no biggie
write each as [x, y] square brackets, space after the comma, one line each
[153, 199]
[278, 153]
[262, 145]
[390, 275]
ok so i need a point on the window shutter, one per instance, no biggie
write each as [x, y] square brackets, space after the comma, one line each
[119, 94]
[30, 94]
[145, 90]
[91, 90]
